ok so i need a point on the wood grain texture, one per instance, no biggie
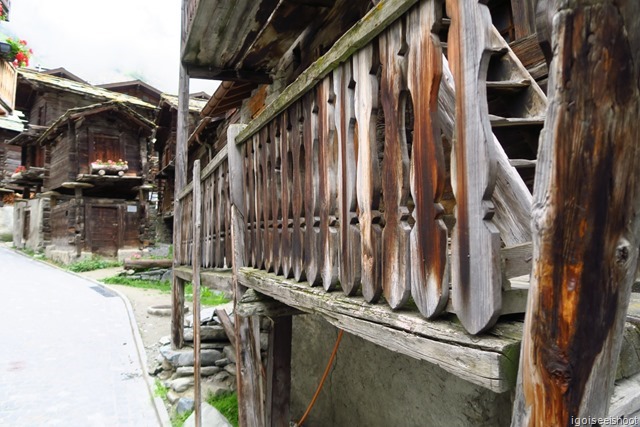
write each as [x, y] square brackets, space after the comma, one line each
[396, 273]
[297, 193]
[248, 363]
[428, 238]
[349, 254]
[585, 219]
[327, 193]
[287, 185]
[311, 187]
[476, 277]
[368, 178]
[197, 234]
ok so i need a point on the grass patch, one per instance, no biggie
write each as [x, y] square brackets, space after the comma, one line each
[159, 285]
[207, 296]
[177, 420]
[6, 237]
[160, 390]
[227, 404]
[93, 263]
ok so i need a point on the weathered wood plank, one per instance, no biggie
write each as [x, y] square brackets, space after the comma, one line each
[287, 184]
[396, 265]
[197, 235]
[368, 178]
[327, 192]
[177, 286]
[489, 361]
[297, 194]
[349, 234]
[214, 279]
[476, 284]
[279, 372]
[256, 304]
[428, 238]
[311, 184]
[249, 382]
[586, 222]
[275, 201]
[227, 325]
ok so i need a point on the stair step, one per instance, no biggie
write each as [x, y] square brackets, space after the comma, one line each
[523, 163]
[498, 121]
[509, 86]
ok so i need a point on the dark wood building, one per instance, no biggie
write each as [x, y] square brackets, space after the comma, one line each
[75, 131]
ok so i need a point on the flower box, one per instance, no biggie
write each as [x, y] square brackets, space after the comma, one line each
[103, 169]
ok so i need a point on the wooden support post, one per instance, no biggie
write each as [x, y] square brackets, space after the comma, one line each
[586, 218]
[247, 333]
[279, 372]
[197, 228]
[177, 287]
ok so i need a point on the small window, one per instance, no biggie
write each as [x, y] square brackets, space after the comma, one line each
[105, 147]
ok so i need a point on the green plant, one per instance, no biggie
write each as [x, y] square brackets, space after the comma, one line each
[6, 237]
[177, 420]
[93, 263]
[28, 252]
[227, 404]
[160, 390]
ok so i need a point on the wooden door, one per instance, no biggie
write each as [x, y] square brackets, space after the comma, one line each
[104, 230]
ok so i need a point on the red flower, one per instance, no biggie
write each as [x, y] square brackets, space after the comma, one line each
[23, 42]
[20, 56]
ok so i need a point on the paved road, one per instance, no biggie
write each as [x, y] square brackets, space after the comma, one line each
[67, 351]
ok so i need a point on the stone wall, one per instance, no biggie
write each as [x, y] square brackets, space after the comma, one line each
[371, 386]
[6, 223]
[38, 233]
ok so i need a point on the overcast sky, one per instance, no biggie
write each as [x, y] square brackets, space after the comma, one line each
[105, 41]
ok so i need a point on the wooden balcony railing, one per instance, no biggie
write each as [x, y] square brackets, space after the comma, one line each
[350, 182]
[8, 82]
[215, 246]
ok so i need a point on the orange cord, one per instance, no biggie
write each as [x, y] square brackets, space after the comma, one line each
[324, 377]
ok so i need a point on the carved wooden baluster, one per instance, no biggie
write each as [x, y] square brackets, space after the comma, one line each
[259, 196]
[327, 192]
[220, 223]
[265, 165]
[395, 171]
[287, 185]
[347, 152]
[312, 215]
[366, 65]
[298, 155]
[251, 203]
[208, 224]
[276, 191]
[476, 279]
[213, 221]
[228, 252]
[429, 261]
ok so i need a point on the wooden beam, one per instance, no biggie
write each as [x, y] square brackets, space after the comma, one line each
[177, 286]
[489, 361]
[197, 241]
[587, 219]
[279, 373]
[256, 304]
[227, 325]
[247, 331]
[216, 279]
[212, 73]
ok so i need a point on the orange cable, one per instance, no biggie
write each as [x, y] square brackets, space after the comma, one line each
[324, 377]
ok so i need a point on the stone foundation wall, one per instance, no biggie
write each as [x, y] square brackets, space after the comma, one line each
[371, 386]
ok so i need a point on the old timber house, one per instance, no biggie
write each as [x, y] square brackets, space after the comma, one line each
[452, 183]
[85, 158]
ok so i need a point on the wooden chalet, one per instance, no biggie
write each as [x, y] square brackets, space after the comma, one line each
[165, 145]
[417, 174]
[69, 207]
